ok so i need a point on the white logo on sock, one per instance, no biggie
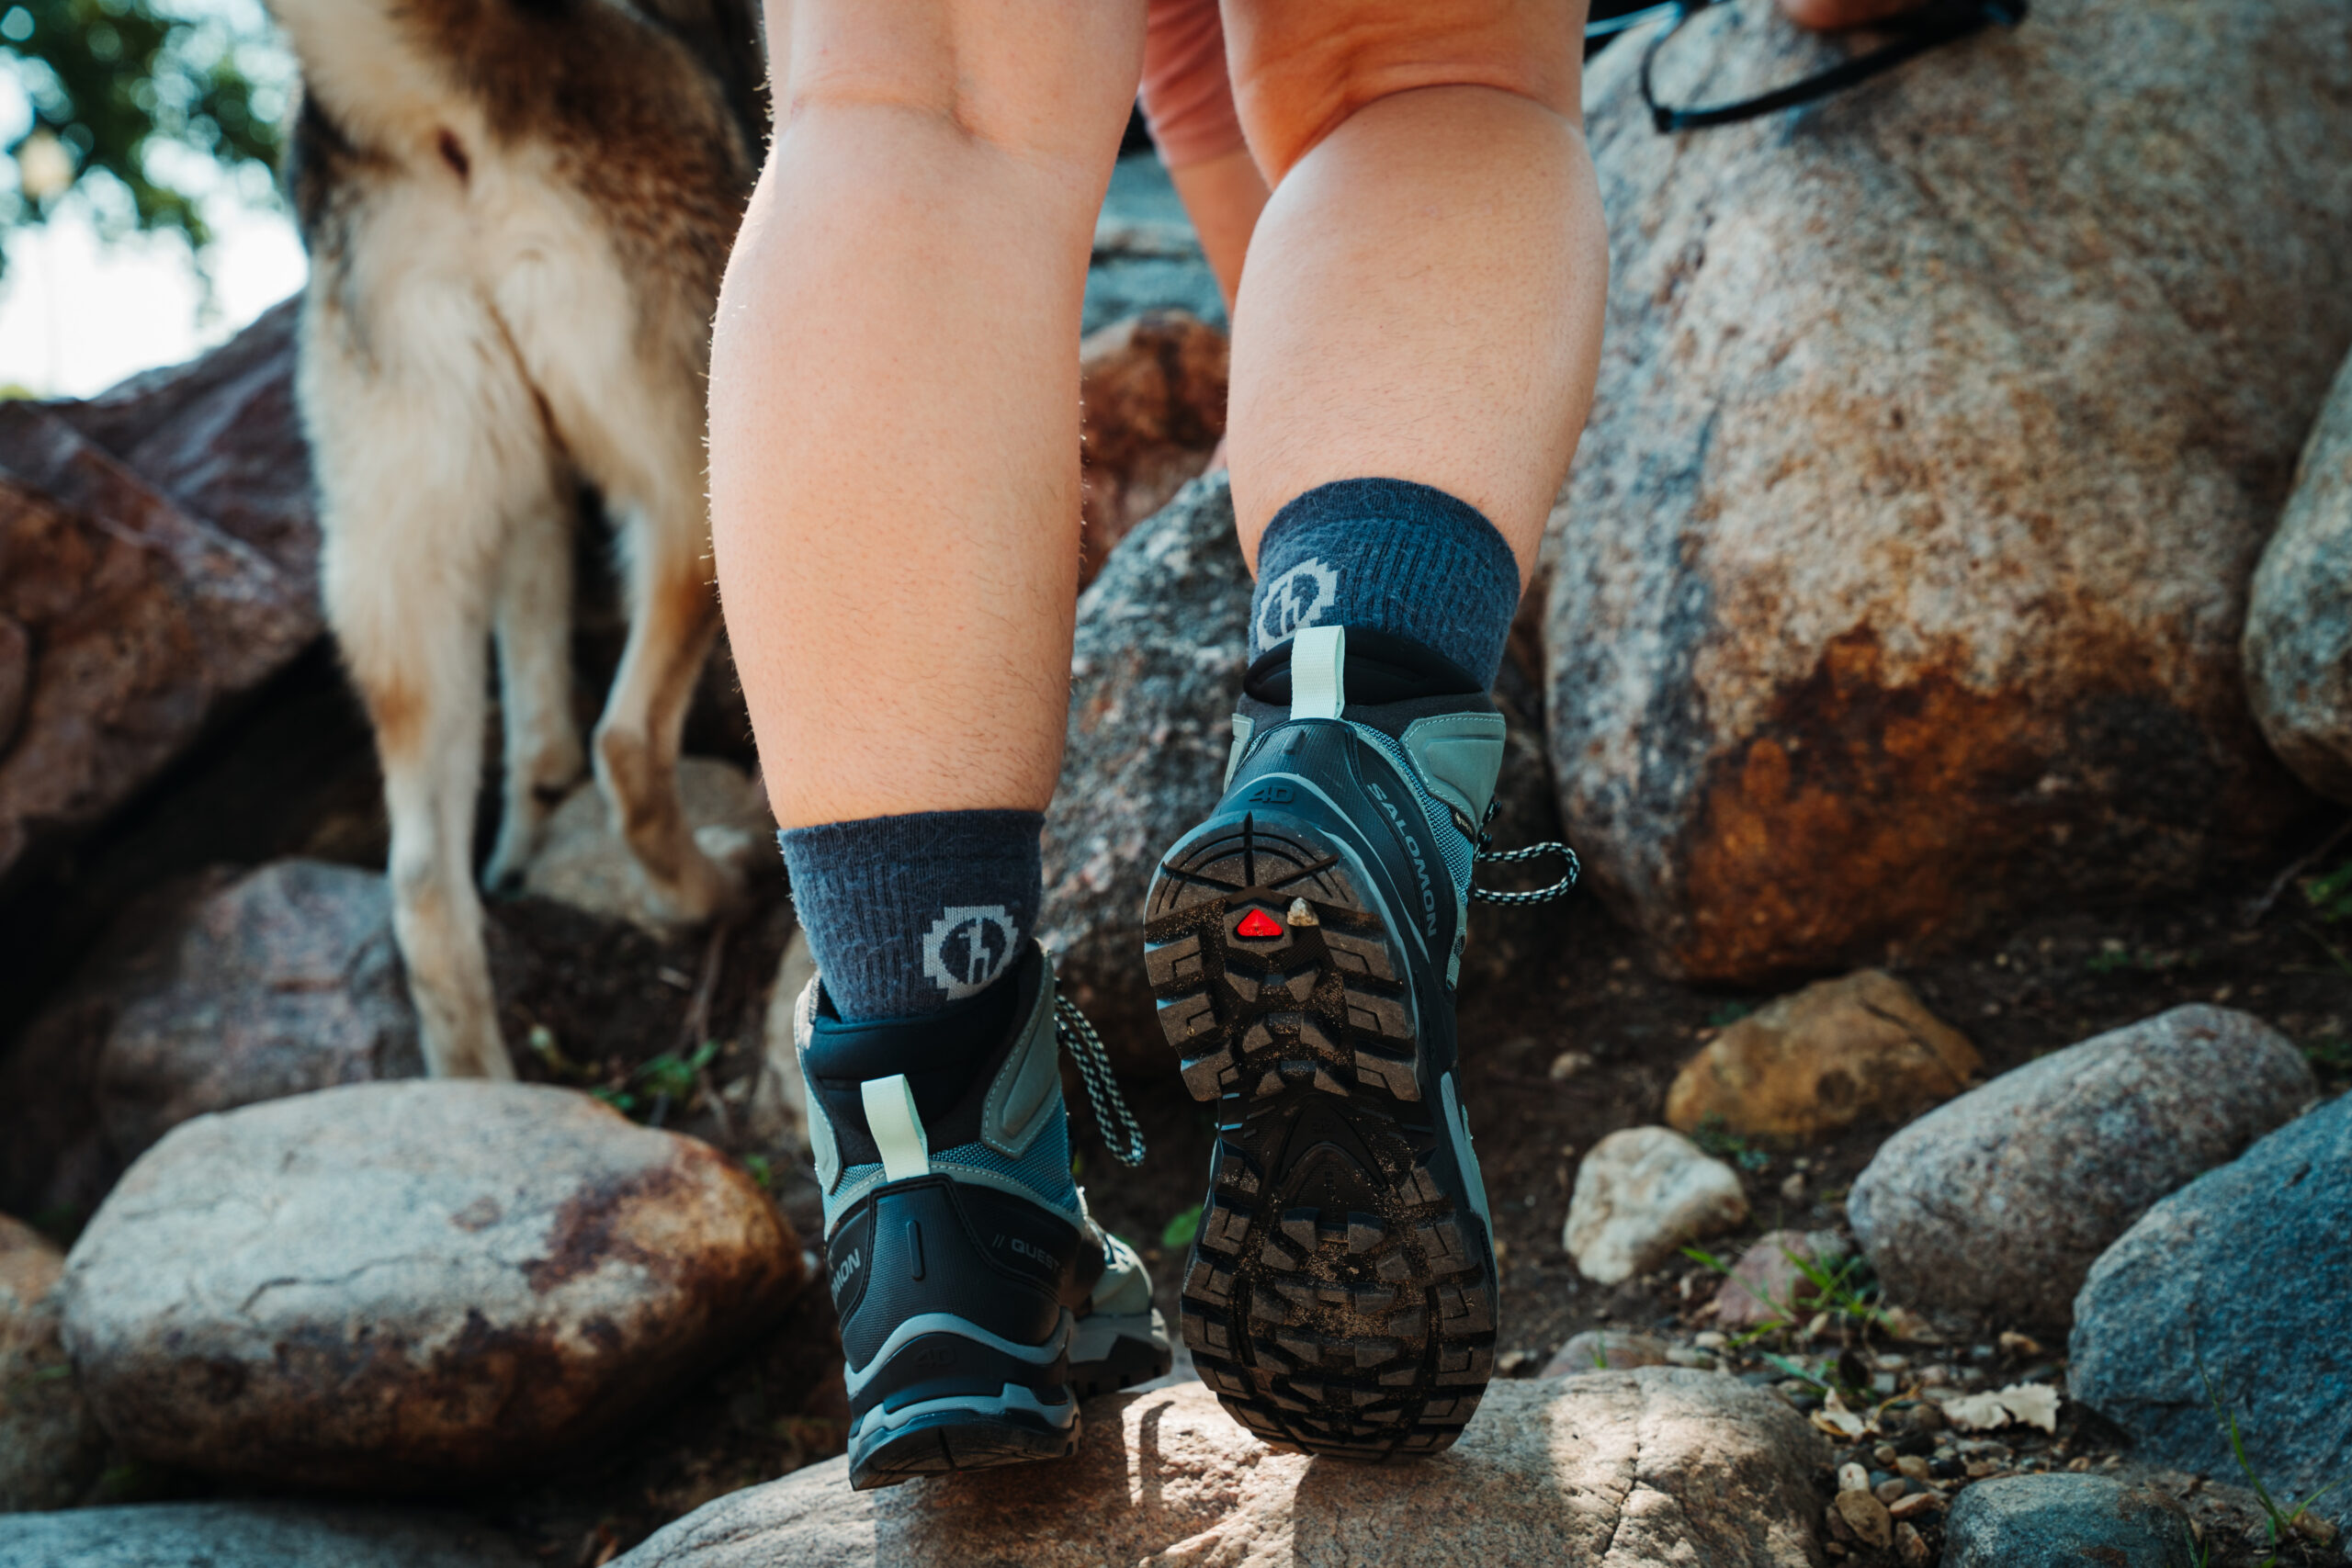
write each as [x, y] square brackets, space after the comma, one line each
[967, 947]
[1299, 597]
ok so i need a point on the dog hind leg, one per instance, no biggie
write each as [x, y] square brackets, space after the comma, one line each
[544, 757]
[428, 448]
[674, 620]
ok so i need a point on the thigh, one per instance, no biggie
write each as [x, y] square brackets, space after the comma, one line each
[1302, 67]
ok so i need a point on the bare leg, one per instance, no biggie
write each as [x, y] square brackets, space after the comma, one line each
[1430, 178]
[543, 753]
[894, 398]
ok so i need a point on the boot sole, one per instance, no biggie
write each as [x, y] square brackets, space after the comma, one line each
[1337, 1298]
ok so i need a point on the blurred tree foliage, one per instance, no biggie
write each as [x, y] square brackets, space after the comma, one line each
[143, 96]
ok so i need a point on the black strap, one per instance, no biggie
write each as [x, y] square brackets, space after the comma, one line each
[1939, 22]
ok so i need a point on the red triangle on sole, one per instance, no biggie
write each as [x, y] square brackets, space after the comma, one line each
[1257, 922]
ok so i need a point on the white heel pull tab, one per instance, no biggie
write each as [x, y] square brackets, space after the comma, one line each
[1318, 662]
[897, 1130]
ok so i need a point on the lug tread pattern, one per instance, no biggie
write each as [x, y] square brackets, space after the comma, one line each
[1363, 1329]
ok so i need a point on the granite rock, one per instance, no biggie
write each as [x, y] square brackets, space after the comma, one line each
[2241, 1276]
[402, 1287]
[1999, 1203]
[1900, 579]
[251, 1535]
[2064, 1521]
[1617, 1470]
[286, 980]
[2298, 612]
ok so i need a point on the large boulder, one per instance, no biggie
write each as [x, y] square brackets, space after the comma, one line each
[137, 607]
[1618, 1469]
[1862, 1048]
[1999, 1203]
[1161, 647]
[1900, 577]
[400, 1286]
[51, 1448]
[2299, 615]
[2241, 1278]
[251, 1535]
[286, 980]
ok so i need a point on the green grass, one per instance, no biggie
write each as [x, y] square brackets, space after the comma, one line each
[2280, 1518]
[2330, 895]
[667, 1074]
[1843, 1290]
[1180, 1231]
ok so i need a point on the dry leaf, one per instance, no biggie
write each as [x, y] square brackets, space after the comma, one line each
[2033, 1403]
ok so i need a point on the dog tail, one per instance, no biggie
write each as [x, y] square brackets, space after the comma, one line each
[370, 66]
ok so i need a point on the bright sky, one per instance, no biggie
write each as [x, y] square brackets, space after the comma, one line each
[77, 314]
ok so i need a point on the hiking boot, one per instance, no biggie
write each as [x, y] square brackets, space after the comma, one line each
[979, 1301]
[1303, 945]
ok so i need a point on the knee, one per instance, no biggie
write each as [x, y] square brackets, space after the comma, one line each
[1297, 77]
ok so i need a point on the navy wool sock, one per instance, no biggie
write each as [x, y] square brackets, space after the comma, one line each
[1392, 556]
[906, 915]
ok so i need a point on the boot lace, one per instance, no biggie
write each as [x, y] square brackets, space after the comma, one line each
[1485, 854]
[1113, 1120]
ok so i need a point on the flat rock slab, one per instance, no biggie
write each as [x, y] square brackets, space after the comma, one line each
[2000, 1202]
[2299, 617]
[250, 1535]
[2066, 1521]
[2242, 1275]
[1899, 581]
[1614, 1470]
[390, 1287]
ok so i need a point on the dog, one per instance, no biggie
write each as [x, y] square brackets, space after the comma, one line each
[517, 213]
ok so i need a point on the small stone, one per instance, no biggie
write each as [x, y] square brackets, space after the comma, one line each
[1640, 1194]
[2060, 1521]
[2059, 1156]
[1681, 1356]
[1568, 1063]
[1767, 1286]
[1866, 1517]
[1598, 1350]
[1302, 913]
[1891, 1489]
[413, 1286]
[1539, 1477]
[1852, 1477]
[1912, 1466]
[1916, 1505]
[1909, 1545]
[1859, 1048]
[1792, 1188]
